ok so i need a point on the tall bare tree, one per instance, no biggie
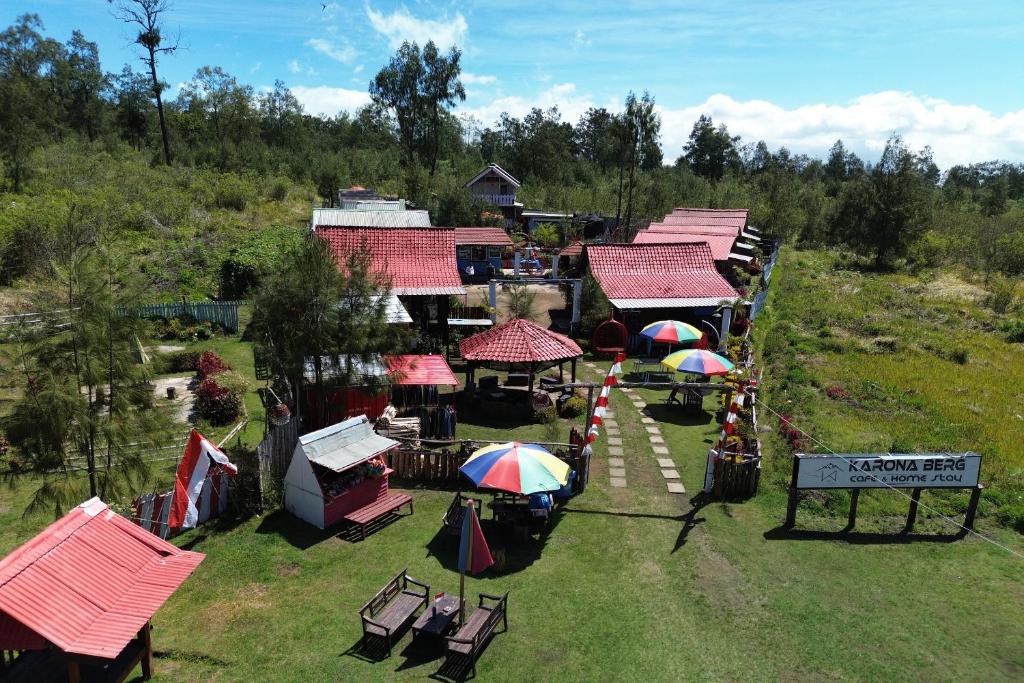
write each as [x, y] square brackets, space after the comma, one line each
[146, 14]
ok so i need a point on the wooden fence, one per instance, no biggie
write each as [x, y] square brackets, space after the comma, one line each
[224, 313]
[736, 477]
[275, 451]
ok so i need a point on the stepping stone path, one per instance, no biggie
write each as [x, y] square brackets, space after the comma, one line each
[657, 441]
[616, 466]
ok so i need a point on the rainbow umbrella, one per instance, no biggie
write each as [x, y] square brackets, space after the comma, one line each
[522, 468]
[671, 332]
[697, 361]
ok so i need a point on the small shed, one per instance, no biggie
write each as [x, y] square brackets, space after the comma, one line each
[76, 600]
[479, 251]
[334, 471]
[416, 383]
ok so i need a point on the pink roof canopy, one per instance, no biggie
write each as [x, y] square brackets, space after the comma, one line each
[412, 370]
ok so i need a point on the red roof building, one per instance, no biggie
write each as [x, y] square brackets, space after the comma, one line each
[418, 261]
[87, 586]
[658, 275]
[721, 245]
[482, 237]
[520, 343]
[426, 370]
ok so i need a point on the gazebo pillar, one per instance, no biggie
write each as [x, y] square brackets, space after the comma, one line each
[561, 372]
[573, 367]
[533, 369]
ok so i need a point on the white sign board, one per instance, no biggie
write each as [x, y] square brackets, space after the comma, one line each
[866, 471]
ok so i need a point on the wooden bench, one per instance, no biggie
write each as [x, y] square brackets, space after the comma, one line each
[452, 520]
[385, 505]
[474, 635]
[392, 608]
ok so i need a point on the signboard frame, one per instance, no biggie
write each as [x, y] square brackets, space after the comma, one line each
[857, 471]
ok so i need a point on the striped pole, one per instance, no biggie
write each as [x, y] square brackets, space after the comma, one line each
[728, 429]
[601, 408]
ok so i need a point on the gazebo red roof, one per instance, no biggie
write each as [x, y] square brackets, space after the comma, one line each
[418, 261]
[519, 341]
[88, 583]
[485, 236]
[415, 370]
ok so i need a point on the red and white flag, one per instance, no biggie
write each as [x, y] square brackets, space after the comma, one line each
[200, 455]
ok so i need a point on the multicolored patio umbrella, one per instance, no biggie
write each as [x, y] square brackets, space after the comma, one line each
[697, 361]
[522, 468]
[671, 332]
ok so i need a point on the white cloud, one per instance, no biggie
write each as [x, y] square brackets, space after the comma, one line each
[256, 67]
[326, 101]
[343, 53]
[400, 26]
[562, 95]
[581, 39]
[958, 133]
[359, 69]
[295, 67]
[477, 79]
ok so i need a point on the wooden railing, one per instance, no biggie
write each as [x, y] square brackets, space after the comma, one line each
[496, 199]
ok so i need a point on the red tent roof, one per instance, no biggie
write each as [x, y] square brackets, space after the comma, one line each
[674, 275]
[482, 237]
[721, 245]
[519, 341]
[419, 370]
[88, 583]
[419, 261]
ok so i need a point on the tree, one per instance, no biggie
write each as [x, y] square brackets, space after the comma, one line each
[309, 310]
[418, 87]
[711, 152]
[885, 212]
[640, 127]
[223, 108]
[146, 15]
[521, 302]
[132, 105]
[80, 82]
[994, 196]
[85, 395]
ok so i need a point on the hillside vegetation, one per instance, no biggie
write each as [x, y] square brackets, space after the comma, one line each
[887, 362]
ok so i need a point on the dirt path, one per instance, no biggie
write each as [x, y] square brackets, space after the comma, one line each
[548, 298]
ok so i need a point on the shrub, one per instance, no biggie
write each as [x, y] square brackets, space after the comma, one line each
[1012, 514]
[959, 356]
[216, 404]
[278, 191]
[1002, 294]
[229, 193]
[545, 415]
[546, 234]
[575, 406]
[5, 445]
[837, 392]
[209, 364]
[1014, 331]
[182, 361]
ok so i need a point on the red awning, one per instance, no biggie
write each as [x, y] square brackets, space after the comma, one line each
[88, 583]
[412, 370]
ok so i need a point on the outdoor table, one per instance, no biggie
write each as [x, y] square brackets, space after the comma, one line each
[435, 621]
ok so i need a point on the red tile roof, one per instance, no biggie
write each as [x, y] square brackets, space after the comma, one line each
[721, 245]
[574, 249]
[88, 583]
[734, 218]
[519, 341]
[684, 211]
[670, 225]
[418, 261]
[414, 370]
[657, 271]
[482, 236]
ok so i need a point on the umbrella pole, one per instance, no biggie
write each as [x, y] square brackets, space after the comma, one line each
[462, 572]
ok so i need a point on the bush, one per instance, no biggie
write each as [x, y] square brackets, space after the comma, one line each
[209, 364]
[216, 404]
[1014, 331]
[229, 193]
[546, 234]
[182, 361]
[1012, 514]
[278, 190]
[545, 415]
[574, 406]
[1002, 294]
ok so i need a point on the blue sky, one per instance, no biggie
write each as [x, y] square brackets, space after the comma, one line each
[799, 74]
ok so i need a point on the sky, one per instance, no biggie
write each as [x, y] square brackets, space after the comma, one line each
[797, 74]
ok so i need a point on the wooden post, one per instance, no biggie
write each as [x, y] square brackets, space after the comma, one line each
[972, 507]
[74, 672]
[590, 413]
[915, 498]
[147, 651]
[852, 520]
[794, 495]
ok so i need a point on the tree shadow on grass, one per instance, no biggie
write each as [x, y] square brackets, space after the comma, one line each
[781, 533]
[690, 519]
[298, 533]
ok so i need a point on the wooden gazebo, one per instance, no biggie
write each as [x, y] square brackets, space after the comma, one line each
[520, 344]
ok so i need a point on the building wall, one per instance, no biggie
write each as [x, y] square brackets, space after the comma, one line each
[302, 496]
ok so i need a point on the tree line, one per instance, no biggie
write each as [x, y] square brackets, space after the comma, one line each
[410, 140]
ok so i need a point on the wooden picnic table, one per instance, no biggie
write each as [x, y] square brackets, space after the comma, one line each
[438, 619]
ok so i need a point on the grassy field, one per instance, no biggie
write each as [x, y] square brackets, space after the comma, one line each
[637, 583]
[869, 362]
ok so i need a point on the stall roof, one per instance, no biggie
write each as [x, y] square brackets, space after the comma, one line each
[335, 366]
[88, 583]
[683, 274]
[485, 236]
[418, 261]
[574, 249]
[369, 218]
[412, 370]
[344, 444]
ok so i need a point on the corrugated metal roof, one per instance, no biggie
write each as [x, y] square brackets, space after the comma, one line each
[417, 261]
[518, 341]
[344, 444]
[740, 257]
[422, 370]
[373, 204]
[351, 218]
[336, 367]
[484, 236]
[657, 271]
[697, 302]
[90, 581]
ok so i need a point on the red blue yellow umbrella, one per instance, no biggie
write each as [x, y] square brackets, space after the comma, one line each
[671, 332]
[522, 468]
[698, 361]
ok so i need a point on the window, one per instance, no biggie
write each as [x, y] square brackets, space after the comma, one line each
[493, 252]
[479, 253]
[463, 253]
